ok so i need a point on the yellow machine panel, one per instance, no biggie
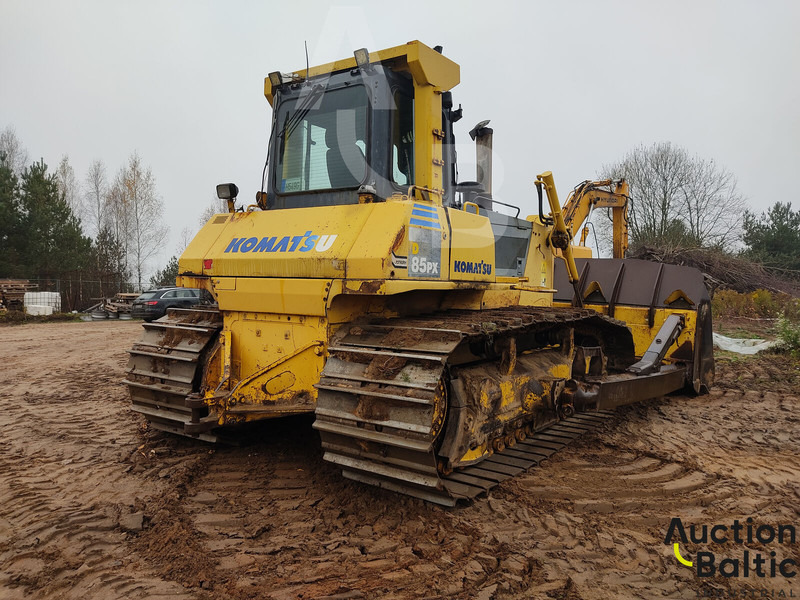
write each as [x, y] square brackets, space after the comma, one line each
[472, 247]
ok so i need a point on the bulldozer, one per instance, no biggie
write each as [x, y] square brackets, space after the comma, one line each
[443, 343]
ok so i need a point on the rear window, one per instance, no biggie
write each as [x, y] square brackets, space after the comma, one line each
[147, 296]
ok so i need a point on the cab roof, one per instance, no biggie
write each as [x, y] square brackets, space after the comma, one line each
[426, 66]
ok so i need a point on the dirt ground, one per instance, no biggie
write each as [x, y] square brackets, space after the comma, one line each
[94, 505]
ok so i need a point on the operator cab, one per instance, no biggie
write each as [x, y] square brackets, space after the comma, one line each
[335, 133]
[347, 135]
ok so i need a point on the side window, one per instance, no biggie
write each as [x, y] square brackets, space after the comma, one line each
[170, 294]
[403, 139]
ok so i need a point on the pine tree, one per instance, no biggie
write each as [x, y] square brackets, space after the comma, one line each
[774, 236]
[110, 264]
[167, 275]
[54, 244]
[11, 237]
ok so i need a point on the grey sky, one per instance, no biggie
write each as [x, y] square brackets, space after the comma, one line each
[568, 86]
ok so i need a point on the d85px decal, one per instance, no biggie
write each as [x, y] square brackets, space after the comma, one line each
[424, 243]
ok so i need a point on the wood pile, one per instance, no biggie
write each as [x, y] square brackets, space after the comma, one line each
[720, 269]
[12, 292]
[120, 303]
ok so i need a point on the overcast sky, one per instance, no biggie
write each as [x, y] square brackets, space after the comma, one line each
[568, 86]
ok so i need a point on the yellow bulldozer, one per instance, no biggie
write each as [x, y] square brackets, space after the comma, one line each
[443, 343]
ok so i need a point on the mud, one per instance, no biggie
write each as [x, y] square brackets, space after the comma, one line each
[384, 368]
[95, 505]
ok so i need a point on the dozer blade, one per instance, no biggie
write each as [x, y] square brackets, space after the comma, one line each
[165, 366]
[645, 294]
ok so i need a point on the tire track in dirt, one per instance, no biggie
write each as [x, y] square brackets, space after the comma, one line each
[270, 520]
[601, 506]
[708, 460]
[63, 475]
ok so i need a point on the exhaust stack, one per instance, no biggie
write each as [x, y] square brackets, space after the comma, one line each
[482, 135]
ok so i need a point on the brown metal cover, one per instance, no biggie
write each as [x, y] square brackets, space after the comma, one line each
[638, 284]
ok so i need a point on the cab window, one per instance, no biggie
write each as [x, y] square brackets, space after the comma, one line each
[323, 142]
[403, 139]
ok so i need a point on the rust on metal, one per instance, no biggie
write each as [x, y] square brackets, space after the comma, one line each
[371, 286]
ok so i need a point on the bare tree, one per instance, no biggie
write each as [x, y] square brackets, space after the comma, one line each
[95, 191]
[183, 241]
[215, 207]
[116, 217]
[713, 207]
[677, 198]
[139, 212]
[16, 157]
[69, 187]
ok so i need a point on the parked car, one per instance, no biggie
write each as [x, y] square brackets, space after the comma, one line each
[154, 304]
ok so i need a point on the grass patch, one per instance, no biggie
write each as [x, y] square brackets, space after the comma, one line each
[789, 335]
[761, 304]
[16, 317]
[742, 333]
[758, 315]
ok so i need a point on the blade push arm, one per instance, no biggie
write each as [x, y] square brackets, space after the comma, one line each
[559, 235]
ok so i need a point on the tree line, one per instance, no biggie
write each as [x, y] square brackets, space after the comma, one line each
[56, 227]
[683, 201]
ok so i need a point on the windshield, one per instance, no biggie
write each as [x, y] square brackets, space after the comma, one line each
[322, 143]
[147, 296]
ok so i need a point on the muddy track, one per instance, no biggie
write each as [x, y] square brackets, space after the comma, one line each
[93, 505]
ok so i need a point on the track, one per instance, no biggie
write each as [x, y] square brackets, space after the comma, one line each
[472, 481]
[383, 412]
[165, 366]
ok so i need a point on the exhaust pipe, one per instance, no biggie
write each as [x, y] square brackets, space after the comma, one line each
[482, 135]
